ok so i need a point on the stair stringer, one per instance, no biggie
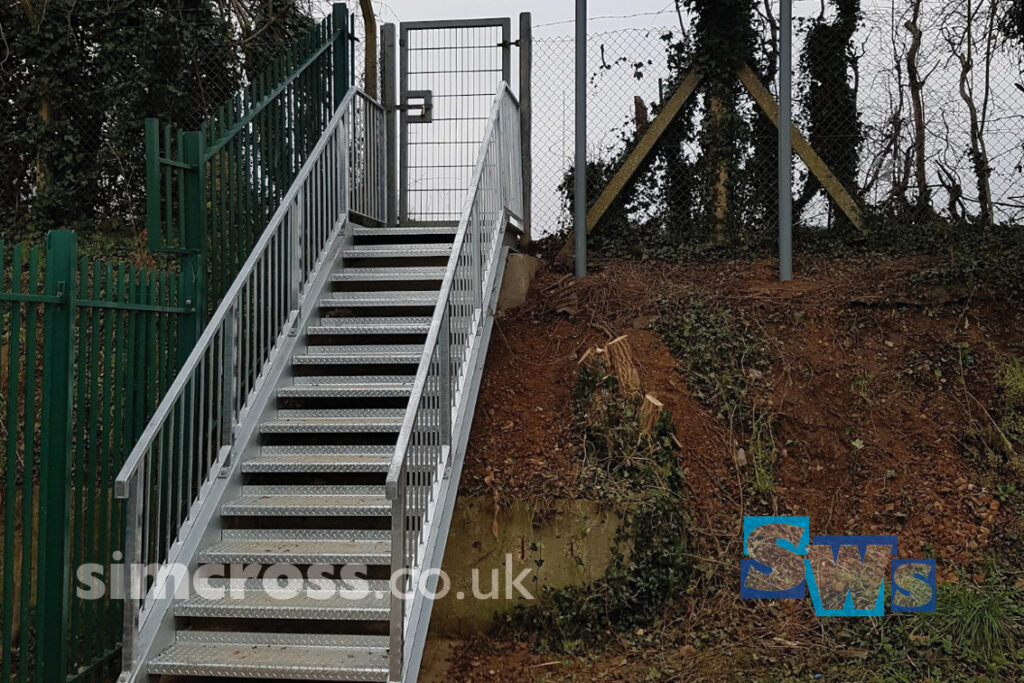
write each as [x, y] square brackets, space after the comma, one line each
[225, 482]
[434, 545]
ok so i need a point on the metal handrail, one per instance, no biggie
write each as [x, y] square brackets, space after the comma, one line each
[230, 298]
[192, 436]
[423, 451]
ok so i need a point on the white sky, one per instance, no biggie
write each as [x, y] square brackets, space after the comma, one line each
[547, 14]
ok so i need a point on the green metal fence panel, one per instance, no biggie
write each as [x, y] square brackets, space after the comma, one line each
[250, 150]
[86, 351]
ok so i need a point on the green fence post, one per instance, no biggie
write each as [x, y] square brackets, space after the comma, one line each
[193, 260]
[55, 451]
[339, 21]
[153, 234]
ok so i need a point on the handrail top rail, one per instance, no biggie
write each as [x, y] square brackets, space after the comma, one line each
[419, 383]
[145, 440]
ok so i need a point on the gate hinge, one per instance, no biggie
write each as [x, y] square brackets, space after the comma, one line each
[509, 43]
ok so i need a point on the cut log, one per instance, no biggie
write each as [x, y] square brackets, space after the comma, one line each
[620, 355]
[650, 414]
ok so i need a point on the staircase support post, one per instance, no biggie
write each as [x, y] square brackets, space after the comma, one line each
[526, 122]
[389, 82]
[445, 380]
[295, 227]
[228, 340]
[477, 249]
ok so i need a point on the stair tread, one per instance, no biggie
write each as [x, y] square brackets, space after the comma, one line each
[346, 380]
[274, 655]
[376, 325]
[389, 274]
[404, 231]
[347, 390]
[318, 421]
[383, 414]
[364, 349]
[313, 463]
[309, 500]
[403, 250]
[360, 354]
[388, 298]
[256, 598]
[320, 458]
[328, 450]
[300, 546]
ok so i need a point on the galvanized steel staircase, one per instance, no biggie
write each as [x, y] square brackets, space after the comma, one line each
[316, 431]
[313, 494]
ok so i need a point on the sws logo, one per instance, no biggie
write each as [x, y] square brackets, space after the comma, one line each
[845, 575]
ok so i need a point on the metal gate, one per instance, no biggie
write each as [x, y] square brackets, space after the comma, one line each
[450, 72]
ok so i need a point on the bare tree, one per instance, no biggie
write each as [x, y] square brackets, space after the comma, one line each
[961, 29]
[916, 84]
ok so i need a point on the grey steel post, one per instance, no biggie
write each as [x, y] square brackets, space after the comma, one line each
[133, 549]
[403, 128]
[580, 227]
[389, 81]
[786, 142]
[525, 121]
[444, 359]
[296, 227]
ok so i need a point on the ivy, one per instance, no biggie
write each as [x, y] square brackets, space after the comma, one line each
[640, 477]
[833, 121]
[78, 79]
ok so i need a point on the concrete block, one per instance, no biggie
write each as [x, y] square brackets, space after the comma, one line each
[520, 270]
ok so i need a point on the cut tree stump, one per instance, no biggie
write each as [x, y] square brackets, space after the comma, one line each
[620, 355]
[650, 414]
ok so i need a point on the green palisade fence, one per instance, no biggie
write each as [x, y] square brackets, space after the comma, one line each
[210, 193]
[86, 351]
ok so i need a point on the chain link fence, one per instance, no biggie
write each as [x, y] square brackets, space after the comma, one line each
[927, 128]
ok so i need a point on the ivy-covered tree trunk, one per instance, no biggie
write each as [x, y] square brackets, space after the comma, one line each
[725, 39]
[80, 78]
[833, 120]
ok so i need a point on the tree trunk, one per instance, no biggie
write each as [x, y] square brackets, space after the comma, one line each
[917, 103]
[721, 193]
[979, 150]
[45, 109]
[370, 24]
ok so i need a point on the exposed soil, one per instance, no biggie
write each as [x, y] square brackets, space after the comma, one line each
[874, 380]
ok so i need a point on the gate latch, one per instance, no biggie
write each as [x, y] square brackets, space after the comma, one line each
[426, 107]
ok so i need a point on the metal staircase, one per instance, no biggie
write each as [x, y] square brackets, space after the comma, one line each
[314, 492]
[298, 478]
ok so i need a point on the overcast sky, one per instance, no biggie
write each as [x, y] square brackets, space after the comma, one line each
[549, 15]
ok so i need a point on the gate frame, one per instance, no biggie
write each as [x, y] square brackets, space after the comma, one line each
[426, 96]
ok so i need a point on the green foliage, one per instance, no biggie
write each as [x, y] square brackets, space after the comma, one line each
[830, 100]
[639, 475]
[977, 630]
[718, 185]
[1011, 383]
[725, 363]
[723, 360]
[1013, 21]
[975, 634]
[78, 80]
[997, 440]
